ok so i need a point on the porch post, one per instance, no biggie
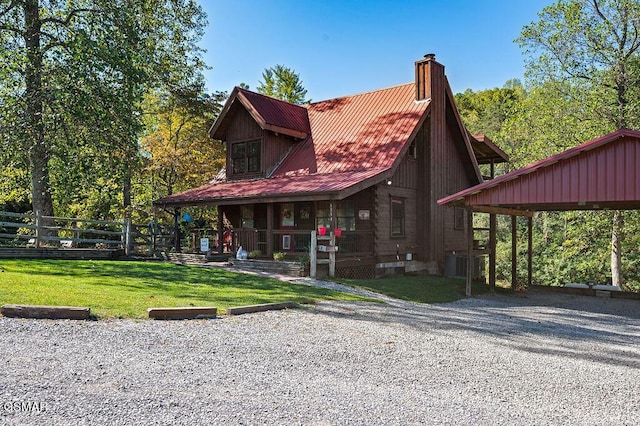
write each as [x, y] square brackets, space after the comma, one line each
[176, 227]
[220, 230]
[492, 251]
[313, 255]
[334, 218]
[269, 230]
[529, 250]
[514, 251]
[332, 256]
[469, 251]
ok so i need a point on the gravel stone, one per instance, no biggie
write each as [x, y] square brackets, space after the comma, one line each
[494, 360]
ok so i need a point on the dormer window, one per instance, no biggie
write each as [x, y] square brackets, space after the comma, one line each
[245, 157]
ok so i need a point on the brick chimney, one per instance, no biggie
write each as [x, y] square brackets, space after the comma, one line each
[429, 78]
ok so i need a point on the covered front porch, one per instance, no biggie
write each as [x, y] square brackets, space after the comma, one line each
[264, 228]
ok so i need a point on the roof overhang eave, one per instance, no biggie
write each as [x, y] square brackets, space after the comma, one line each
[279, 197]
[285, 131]
[282, 197]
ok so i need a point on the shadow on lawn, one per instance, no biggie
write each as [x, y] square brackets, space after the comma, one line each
[566, 327]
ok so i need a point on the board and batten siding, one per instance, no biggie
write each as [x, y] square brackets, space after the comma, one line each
[454, 178]
[243, 127]
[455, 239]
[405, 175]
[443, 164]
[274, 149]
[386, 246]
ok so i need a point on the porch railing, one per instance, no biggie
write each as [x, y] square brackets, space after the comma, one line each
[355, 243]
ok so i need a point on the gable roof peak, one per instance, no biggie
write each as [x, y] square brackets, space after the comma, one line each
[269, 113]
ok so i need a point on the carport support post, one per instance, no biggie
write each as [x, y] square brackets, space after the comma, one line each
[529, 250]
[469, 251]
[514, 251]
[492, 251]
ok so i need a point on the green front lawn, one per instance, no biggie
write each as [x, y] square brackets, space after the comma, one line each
[114, 289]
[418, 288]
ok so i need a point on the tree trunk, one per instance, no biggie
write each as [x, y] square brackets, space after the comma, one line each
[38, 150]
[616, 248]
[126, 189]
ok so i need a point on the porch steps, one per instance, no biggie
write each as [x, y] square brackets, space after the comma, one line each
[183, 258]
[215, 257]
[293, 269]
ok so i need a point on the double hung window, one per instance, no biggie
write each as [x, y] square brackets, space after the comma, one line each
[245, 157]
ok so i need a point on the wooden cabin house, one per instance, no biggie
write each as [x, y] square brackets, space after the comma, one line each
[372, 164]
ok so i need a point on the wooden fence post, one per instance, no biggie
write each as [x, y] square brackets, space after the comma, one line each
[313, 256]
[128, 240]
[123, 237]
[152, 237]
[38, 220]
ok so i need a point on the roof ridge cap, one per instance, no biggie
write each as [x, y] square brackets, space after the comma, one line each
[361, 93]
[271, 98]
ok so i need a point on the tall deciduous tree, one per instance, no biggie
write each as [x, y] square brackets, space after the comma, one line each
[179, 153]
[75, 76]
[593, 45]
[485, 111]
[283, 83]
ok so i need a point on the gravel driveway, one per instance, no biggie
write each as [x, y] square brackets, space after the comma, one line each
[540, 359]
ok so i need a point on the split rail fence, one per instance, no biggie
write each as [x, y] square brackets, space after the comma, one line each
[36, 230]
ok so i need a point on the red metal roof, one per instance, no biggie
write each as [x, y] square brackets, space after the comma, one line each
[270, 114]
[278, 113]
[354, 139]
[602, 173]
[486, 151]
[357, 132]
[348, 141]
[289, 186]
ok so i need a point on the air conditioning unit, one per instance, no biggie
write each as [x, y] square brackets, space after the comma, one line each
[456, 266]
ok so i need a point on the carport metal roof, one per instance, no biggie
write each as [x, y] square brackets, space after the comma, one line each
[600, 174]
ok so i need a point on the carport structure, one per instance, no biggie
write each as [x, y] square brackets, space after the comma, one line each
[602, 174]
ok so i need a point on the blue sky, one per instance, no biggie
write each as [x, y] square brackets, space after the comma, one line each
[346, 47]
